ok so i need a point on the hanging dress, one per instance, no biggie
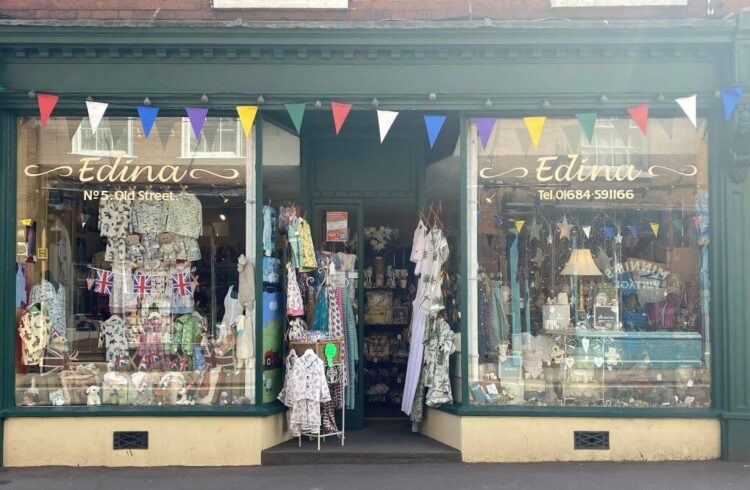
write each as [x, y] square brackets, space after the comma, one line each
[294, 305]
[320, 320]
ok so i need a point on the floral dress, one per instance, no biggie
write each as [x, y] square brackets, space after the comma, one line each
[112, 337]
[307, 248]
[34, 333]
[114, 223]
[294, 305]
[185, 221]
[53, 300]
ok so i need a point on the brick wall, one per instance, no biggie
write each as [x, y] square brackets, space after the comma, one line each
[358, 10]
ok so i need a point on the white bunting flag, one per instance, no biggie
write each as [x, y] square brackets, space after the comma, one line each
[385, 121]
[586, 230]
[688, 106]
[96, 113]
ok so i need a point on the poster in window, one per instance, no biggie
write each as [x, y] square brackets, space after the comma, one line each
[336, 226]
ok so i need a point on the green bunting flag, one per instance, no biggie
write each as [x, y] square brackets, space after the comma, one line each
[296, 111]
[587, 120]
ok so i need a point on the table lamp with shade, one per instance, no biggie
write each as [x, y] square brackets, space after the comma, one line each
[580, 264]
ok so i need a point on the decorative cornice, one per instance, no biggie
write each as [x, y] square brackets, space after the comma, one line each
[467, 54]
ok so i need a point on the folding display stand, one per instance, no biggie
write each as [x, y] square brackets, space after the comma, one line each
[334, 374]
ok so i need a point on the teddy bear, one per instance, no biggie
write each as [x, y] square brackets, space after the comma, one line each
[134, 249]
[167, 251]
[92, 395]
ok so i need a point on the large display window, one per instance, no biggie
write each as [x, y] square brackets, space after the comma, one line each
[588, 264]
[135, 263]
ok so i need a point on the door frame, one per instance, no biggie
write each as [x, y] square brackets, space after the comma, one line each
[354, 417]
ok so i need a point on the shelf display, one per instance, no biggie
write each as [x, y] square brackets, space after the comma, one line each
[591, 282]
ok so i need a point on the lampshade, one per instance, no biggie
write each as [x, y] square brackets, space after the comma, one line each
[581, 263]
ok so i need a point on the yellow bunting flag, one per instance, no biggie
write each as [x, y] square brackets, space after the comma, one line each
[519, 225]
[535, 125]
[655, 228]
[247, 116]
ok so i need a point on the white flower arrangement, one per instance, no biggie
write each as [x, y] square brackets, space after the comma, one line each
[379, 238]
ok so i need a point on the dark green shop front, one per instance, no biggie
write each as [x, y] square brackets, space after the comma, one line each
[505, 220]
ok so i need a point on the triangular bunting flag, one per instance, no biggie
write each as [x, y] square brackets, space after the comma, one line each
[247, 116]
[587, 120]
[340, 113]
[639, 114]
[296, 111]
[96, 113]
[731, 97]
[485, 125]
[586, 230]
[434, 125]
[633, 230]
[197, 117]
[572, 134]
[519, 225]
[655, 228]
[47, 103]
[147, 115]
[385, 121]
[164, 127]
[689, 107]
[535, 126]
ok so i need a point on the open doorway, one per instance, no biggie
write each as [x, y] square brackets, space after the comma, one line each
[369, 200]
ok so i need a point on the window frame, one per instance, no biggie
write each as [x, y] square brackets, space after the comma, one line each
[77, 140]
[186, 135]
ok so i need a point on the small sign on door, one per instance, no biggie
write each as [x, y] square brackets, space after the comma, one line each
[337, 229]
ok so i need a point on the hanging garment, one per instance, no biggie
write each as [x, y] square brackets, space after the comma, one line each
[335, 324]
[436, 254]
[497, 321]
[307, 390]
[288, 379]
[148, 216]
[269, 222]
[21, 297]
[123, 299]
[182, 305]
[34, 332]
[245, 346]
[112, 338]
[352, 352]
[320, 320]
[293, 237]
[307, 248]
[246, 289]
[231, 309]
[294, 305]
[327, 409]
[53, 300]
[185, 221]
[438, 349]
[417, 247]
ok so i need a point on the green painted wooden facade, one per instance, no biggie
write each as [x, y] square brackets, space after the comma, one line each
[514, 65]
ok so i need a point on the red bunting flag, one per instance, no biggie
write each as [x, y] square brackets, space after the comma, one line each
[47, 103]
[340, 113]
[639, 114]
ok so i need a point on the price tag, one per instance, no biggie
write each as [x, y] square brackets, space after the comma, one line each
[42, 253]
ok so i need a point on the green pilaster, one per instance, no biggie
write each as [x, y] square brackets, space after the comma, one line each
[732, 274]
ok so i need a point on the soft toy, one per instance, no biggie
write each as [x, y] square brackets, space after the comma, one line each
[187, 396]
[167, 251]
[92, 395]
[134, 249]
[224, 398]
[57, 398]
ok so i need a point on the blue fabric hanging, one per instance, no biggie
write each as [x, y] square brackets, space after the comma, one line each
[515, 294]
[320, 321]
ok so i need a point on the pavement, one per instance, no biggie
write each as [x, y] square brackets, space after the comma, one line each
[444, 476]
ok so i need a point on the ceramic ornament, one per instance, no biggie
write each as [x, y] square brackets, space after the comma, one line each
[569, 362]
[564, 228]
[585, 343]
[598, 361]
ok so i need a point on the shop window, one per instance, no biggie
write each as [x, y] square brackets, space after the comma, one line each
[113, 138]
[615, 3]
[127, 283]
[588, 267]
[222, 137]
[280, 4]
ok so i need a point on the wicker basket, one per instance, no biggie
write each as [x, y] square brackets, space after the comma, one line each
[319, 348]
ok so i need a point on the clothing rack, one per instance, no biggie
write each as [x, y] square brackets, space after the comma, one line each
[338, 370]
